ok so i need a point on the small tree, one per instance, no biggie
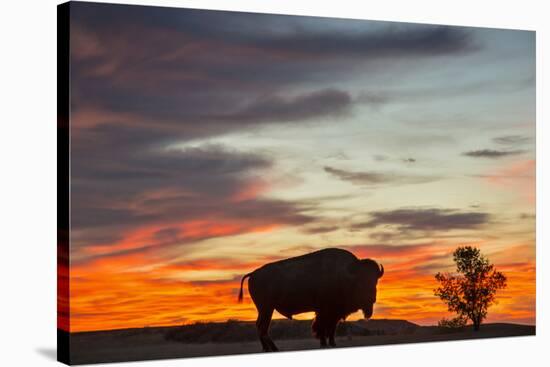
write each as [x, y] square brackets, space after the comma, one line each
[472, 290]
[454, 323]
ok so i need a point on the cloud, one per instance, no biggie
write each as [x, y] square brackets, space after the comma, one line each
[426, 219]
[128, 123]
[192, 92]
[369, 178]
[374, 99]
[527, 216]
[280, 34]
[392, 251]
[519, 177]
[423, 94]
[408, 41]
[339, 155]
[380, 157]
[328, 102]
[321, 229]
[133, 197]
[512, 140]
[489, 153]
[388, 236]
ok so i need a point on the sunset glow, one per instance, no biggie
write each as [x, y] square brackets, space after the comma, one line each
[223, 142]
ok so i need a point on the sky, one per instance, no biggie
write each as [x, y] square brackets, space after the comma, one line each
[206, 143]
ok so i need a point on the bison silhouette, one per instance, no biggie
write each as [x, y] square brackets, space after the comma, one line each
[332, 282]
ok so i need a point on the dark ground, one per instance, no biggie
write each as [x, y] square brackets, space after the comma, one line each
[233, 337]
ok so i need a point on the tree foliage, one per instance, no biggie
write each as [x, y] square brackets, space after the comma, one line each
[471, 291]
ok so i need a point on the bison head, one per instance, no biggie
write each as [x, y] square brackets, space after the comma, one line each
[365, 273]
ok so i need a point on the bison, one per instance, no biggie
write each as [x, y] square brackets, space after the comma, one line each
[332, 282]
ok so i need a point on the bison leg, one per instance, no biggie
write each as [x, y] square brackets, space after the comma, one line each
[325, 327]
[331, 330]
[319, 327]
[272, 345]
[323, 339]
[264, 319]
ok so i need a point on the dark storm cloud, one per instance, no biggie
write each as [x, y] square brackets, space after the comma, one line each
[207, 72]
[417, 41]
[119, 154]
[188, 116]
[427, 219]
[490, 153]
[302, 35]
[375, 178]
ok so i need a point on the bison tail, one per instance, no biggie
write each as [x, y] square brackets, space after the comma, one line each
[240, 299]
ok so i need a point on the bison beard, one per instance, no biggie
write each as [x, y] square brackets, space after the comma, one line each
[333, 283]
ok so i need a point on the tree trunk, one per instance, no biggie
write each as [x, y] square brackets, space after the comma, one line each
[476, 321]
[476, 326]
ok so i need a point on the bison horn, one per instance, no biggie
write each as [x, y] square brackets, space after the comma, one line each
[381, 271]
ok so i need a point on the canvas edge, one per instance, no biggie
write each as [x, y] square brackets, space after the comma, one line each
[63, 208]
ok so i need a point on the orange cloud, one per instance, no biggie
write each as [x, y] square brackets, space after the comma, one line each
[251, 190]
[519, 176]
[129, 291]
[186, 231]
